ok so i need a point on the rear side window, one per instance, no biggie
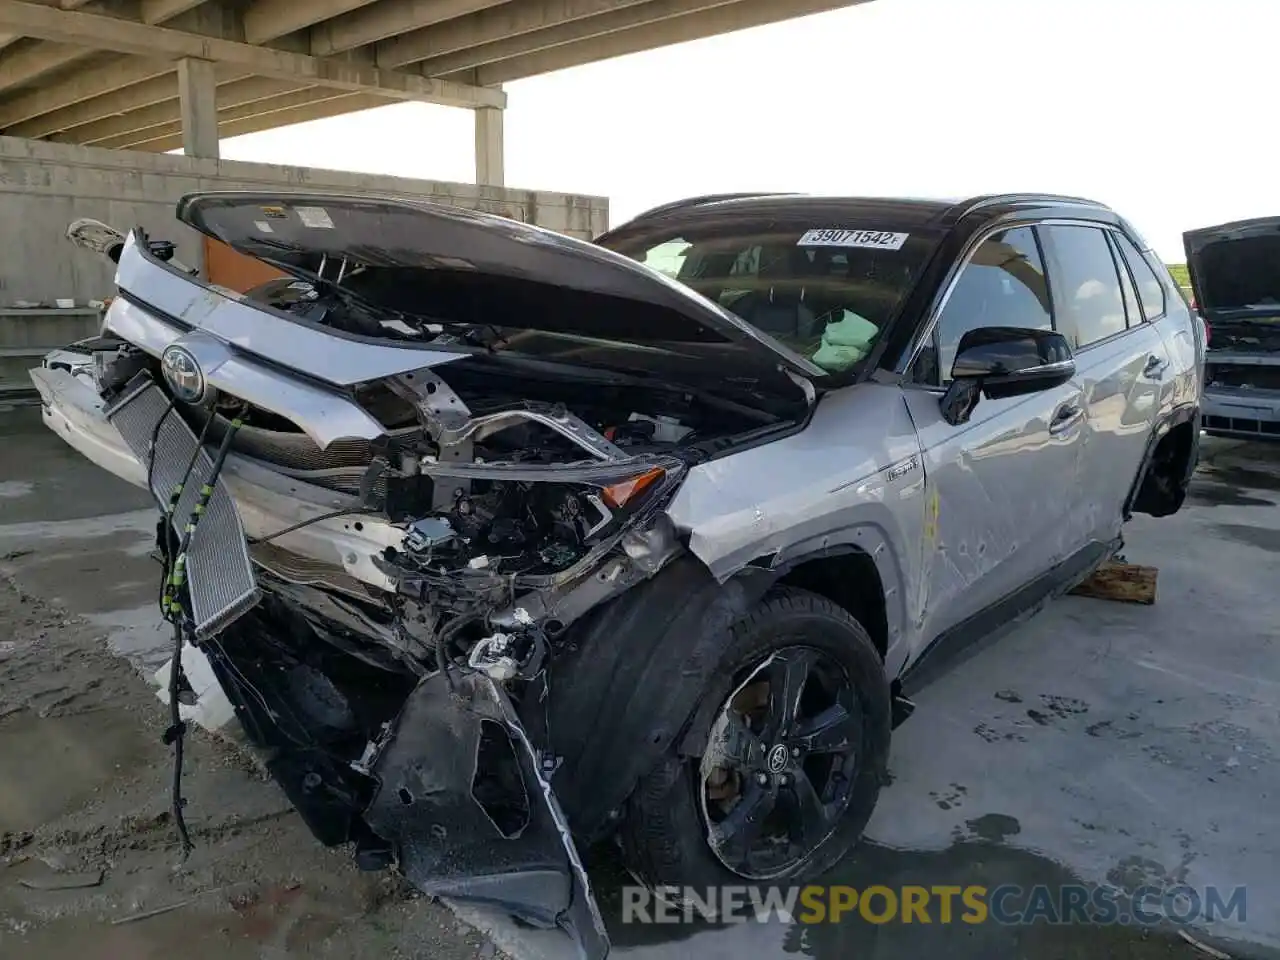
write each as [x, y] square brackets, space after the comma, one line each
[1087, 297]
[1150, 289]
[1002, 285]
[1132, 307]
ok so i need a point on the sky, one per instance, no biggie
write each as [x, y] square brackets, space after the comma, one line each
[1163, 109]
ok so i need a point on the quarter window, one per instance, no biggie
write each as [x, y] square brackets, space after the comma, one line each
[1002, 285]
[1150, 289]
[1089, 304]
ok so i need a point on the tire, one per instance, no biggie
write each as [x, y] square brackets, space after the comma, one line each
[664, 833]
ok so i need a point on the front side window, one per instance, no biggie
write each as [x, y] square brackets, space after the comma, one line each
[824, 290]
[1002, 285]
[1088, 302]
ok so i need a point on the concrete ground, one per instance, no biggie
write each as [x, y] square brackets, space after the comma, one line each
[1098, 742]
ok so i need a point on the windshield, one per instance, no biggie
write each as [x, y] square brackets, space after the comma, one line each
[826, 292]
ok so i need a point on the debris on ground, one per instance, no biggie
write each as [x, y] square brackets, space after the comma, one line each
[1204, 947]
[148, 914]
[65, 881]
[1124, 582]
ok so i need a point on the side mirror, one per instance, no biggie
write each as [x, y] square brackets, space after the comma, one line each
[1001, 362]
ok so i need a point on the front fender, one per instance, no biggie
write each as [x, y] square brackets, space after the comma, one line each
[623, 692]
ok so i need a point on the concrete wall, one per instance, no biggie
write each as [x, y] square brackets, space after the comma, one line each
[44, 186]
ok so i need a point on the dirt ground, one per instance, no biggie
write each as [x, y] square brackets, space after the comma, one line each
[87, 847]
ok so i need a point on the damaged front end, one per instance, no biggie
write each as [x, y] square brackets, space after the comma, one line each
[381, 531]
[389, 716]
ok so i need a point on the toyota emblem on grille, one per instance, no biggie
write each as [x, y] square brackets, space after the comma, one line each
[183, 374]
[778, 757]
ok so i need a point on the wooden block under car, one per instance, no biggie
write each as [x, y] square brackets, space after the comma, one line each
[1126, 582]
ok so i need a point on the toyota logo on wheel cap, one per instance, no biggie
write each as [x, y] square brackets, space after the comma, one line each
[183, 374]
[778, 757]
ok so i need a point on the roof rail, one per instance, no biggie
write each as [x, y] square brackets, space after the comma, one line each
[700, 200]
[977, 203]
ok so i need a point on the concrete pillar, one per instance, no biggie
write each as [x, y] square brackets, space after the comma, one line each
[489, 166]
[198, 97]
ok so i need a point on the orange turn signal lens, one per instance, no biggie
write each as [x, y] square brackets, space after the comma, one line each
[618, 494]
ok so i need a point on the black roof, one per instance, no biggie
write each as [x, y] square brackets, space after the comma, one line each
[903, 212]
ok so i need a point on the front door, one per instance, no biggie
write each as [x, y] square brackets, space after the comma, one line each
[1002, 489]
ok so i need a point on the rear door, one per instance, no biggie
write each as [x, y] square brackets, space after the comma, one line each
[1002, 489]
[1121, 365]
[1163, 307]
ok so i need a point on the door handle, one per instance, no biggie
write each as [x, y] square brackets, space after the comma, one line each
[1155, 367]
[1065, 417]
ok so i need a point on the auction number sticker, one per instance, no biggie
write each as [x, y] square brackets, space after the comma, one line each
[315, 217]
[872, 239]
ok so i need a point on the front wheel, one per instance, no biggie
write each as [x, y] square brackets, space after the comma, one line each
[791, 767]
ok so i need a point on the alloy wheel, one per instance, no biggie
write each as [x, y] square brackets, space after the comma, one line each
[780, 763]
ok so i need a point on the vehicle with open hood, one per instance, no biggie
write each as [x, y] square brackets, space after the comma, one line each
[1235, 275]
[501, 543]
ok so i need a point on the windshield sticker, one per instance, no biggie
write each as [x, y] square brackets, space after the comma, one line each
[263, 226]
[315, 217]
[274, 213]
[870, 239]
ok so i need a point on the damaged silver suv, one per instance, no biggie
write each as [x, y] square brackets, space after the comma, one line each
[501, 543]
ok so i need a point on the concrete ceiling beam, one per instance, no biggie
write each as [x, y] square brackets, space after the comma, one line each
[8, 39]
[266, 20]
[92, 30]
[115, 104]
[30, 63]
[262, 107]
[693, 26]
[331, 106]
[161, 11]
[80, 87]
[25, 63]
[488, 26]
[625, 17]
[387, 18]
[168, 111]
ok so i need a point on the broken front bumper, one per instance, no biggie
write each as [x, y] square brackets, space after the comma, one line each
[462, 790]
[458, 789]
[266, 501]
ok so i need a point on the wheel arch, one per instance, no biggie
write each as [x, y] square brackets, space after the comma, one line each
[1167, 464]
[857, 568]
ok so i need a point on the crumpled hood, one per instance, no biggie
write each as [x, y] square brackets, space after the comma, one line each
[300, 232]
[1235, 266]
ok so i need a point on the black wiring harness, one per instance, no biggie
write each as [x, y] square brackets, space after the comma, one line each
[173, 556]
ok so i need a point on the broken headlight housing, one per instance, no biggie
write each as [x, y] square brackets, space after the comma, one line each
[524, 527]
